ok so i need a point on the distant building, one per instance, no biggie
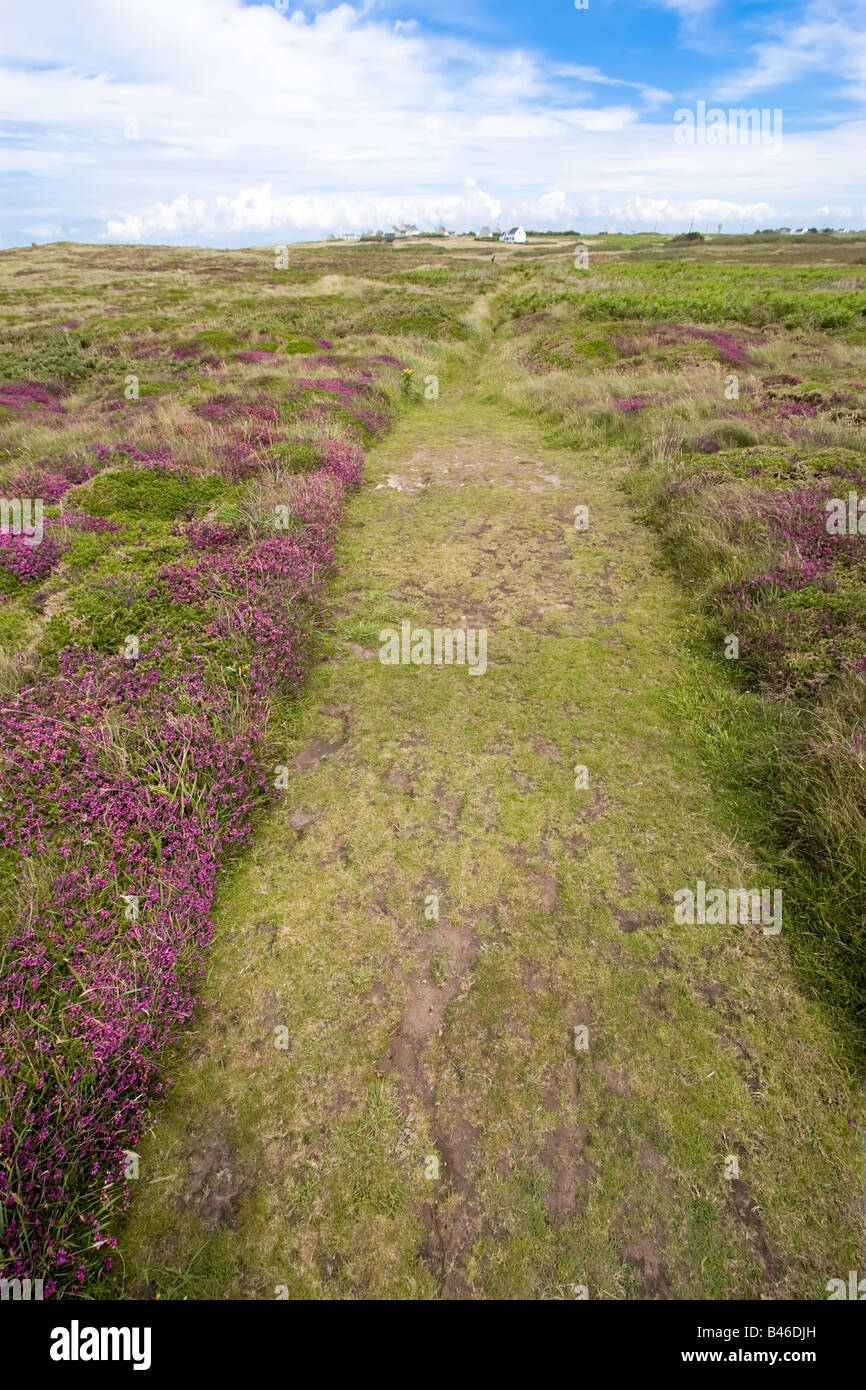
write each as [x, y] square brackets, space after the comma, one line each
[406, 230]
[484, 234]
[514, 234]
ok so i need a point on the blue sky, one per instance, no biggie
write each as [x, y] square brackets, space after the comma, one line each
[233, 123]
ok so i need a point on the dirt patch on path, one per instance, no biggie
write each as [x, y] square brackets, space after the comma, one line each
[428, 1000]
[451, 1214]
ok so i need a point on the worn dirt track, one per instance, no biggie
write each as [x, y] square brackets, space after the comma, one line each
[307, 1169]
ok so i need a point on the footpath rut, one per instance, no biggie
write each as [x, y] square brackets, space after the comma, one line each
[387, 1102]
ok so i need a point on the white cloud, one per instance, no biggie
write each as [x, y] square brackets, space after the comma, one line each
[256, 211]
[689, 9]
[44, 232]
[652, 96]
[518, 127]
[661, 211]
[693, 14]
[253, 123]
[829, 37]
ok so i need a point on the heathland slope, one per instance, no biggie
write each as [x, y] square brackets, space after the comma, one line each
[455, 1040]
[394, 1095]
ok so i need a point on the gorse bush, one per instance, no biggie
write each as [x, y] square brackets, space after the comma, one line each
[53, 355]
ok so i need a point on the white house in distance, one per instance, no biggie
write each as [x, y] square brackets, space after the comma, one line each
[514, 234]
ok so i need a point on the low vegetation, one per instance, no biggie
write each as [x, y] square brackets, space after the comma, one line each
[193, 479]
[738, 393]
[195, 424]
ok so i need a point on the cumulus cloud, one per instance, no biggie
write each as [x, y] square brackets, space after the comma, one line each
[258, 211]
[255, 211]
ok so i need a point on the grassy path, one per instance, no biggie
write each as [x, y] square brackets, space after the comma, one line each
[307, 1168]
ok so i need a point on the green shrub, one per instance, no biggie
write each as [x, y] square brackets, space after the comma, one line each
[50, 355]
[146, 492]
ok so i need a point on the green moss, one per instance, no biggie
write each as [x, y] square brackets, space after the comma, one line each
[300, 458]
[139, 492]
[13, 587]
[50, 355]
[85, 550]
[219, 340]
[16, 621]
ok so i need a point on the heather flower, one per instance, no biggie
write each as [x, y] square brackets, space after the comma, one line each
[91, 1000]
[338, 385]
[31, 395]
[151, 458]
[345, 461]
[730, 349]
[53, 482]
[209, 535]
[374, 421]
[29, 563]
[82, 521]
[224, 407]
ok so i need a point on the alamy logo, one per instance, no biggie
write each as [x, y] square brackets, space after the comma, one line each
[75, 1343]
[20, 1290]
[443, 646]
[722, 906]
[739, 126]
[836, 1287]
[846, 518]
[21, 517]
